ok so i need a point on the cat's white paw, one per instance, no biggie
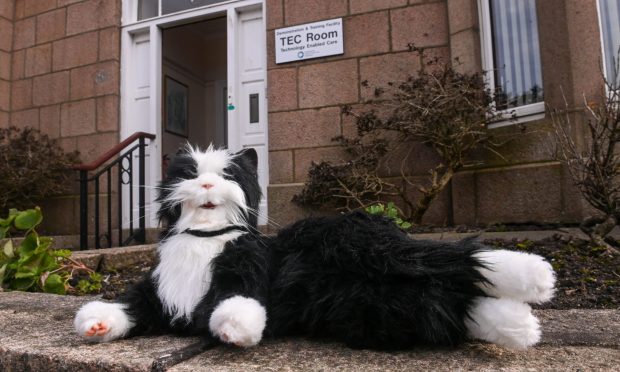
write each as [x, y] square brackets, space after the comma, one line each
[102, 322]
[239, 321]
[503, 321]
[521, 276]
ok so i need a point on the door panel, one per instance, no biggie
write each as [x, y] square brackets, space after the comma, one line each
[248, 120]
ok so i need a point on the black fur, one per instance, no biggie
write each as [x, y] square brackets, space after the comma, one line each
[355, 278]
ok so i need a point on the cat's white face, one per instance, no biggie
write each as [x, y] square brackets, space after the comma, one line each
[210, 200]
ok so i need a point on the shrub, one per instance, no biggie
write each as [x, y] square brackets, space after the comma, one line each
[439, 107]
[33, 266]
[594, 164]
[33, 167]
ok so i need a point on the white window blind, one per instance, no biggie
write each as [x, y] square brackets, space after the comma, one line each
[516, 53]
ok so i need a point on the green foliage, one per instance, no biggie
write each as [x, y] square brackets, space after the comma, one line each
[32, 265]
[33, 167]
[390, 211]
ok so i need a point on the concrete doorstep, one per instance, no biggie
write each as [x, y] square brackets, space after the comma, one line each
[36, 333]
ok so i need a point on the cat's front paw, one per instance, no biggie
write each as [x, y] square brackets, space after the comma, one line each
[102, 322]
[239, 321]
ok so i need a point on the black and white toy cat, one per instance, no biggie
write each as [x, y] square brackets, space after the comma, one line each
[355, 278]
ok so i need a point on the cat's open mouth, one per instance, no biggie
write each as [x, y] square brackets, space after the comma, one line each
[208, 205]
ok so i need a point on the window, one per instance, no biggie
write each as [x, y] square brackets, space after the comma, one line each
[153, 8]
[511, 56]
[609, 15]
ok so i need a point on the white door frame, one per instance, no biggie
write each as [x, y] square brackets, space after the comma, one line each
[149, 31]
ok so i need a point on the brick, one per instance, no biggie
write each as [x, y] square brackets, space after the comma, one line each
[5, 95]
[93, 146]
[51, 26]
[422, 25]
[17, 64]
[20, 6]
[282, 92]
[21, 94]
[6, 35]
[305, 157]
[24, 33]
[363, 6]
[465, 52]
[77, 118]
[464, 198]
[305, 128]
[38, 60]
[462, 14]
[75, 51]
[519, 194]
[366, 34]
[109, 44]
[92, 15]
[6, 8]
[275, 14]
[378, 71]
[95, 80]
[51, 88]
[5, 65]
[4, 119]
[281, 208]
[271, 50]
[107, 113]
[49, 120]
[280, 167]
[67, 2]
[301, 11]
[25, 119]
[330, 83]
[33, 7]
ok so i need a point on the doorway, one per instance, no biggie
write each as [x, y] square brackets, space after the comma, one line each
[196, 76]
[194, 81]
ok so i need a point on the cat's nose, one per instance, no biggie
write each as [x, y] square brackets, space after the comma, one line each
[207, 186]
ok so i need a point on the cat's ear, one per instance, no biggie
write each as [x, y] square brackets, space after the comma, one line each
[250, 156]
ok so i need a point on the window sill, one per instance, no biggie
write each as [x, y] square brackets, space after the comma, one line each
[523, 114]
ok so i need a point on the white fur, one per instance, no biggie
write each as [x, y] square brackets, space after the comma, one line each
[521, 276]
[239, 320]
[211, 160]
[503, 321]
[112, 315]
[183, 274]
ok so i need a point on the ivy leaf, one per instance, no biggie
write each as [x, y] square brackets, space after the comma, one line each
[2, 272]
[23, 284]
[63, 253]
[29, 245]
[54, 284]
[28, 219]
[3, 231]
[8, 249]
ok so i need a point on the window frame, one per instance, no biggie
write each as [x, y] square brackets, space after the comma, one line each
[522, 114]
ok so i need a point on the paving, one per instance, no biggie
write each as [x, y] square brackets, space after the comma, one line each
[36, 333]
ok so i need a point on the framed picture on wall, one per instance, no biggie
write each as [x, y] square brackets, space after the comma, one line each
[176, 97]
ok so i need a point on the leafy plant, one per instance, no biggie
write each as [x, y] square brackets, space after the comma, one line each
[33, 167]
[390, 210]
[32, 265]
[437, 107]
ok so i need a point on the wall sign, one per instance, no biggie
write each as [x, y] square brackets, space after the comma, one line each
[310, 40]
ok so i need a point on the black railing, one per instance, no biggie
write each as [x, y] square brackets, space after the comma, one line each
[124, 164]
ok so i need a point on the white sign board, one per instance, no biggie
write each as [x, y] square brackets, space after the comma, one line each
[311, 40]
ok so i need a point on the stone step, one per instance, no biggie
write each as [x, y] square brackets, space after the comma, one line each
[36, 333]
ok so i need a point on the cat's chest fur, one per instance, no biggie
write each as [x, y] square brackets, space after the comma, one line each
[183, 275]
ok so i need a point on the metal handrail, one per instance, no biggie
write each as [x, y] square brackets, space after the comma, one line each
[124, 162]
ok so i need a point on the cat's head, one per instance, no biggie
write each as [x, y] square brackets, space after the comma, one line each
[208, 190]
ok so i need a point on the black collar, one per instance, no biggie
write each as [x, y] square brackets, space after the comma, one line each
[208, 234]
